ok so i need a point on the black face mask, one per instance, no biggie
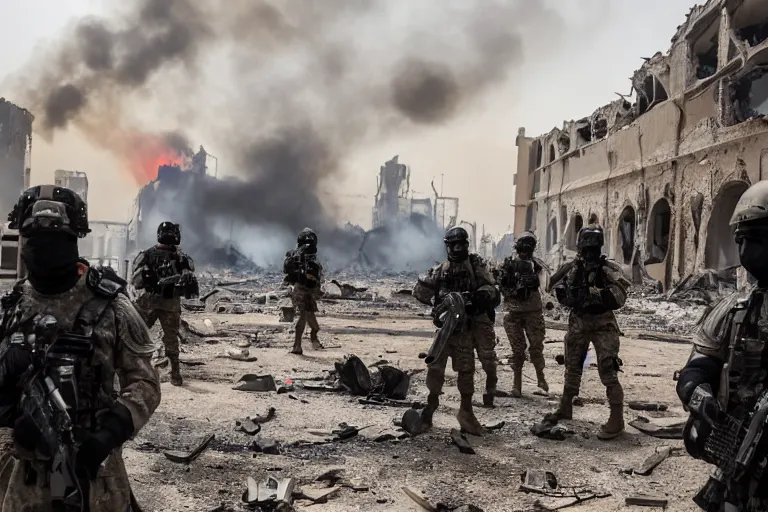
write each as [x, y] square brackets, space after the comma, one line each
[753, 253]
[51, 261]
[457, 252]
[524, 253]
[590, 254]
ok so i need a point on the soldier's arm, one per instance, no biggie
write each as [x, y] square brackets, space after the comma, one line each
[560, 274]
[187, 263]
[485, 281]
[614, 295]
[426, 287]
[139, 381]
[139, 264]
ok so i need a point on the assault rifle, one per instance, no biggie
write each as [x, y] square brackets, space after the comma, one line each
[42, 400]
[733, 447]
[185, 282]
[451, 314]
[303, 257]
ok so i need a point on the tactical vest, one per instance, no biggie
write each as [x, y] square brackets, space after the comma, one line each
[301, 269]
[163, 264]
[67, 355]
[577, 288]
[456, 277]
[520, 278]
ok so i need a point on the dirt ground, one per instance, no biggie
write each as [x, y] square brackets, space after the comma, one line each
[397, 330]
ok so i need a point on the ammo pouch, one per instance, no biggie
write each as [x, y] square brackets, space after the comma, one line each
[525, 285]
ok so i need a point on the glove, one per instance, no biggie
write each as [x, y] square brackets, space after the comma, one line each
[436, 312]
[704, 406]
[116, 428]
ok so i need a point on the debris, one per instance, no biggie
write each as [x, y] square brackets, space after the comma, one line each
[347, 290]
[644, 500]
[387, 436]
[316, 495]
[188, 457]
[560, 358]
[654, 460]
[411, 422]
[561, 503]
[208, 329]
[191, 362]
[285, 389]
[287, 314]
[535, 480]
[386, 380]
[271, 491]
[646, 406]
[670, 431]
[495, 426]
[357, 485]
[404, 291]
[423, 355]
[346, 432]
[248, 426]
[330, 477]
[550, 430]
[461, 441]
[390, 402]
[267, 446]
[419, 500]
[242, 354]
[251, 382]
[657, 336]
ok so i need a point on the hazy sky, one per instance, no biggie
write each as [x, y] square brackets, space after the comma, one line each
[600, 48]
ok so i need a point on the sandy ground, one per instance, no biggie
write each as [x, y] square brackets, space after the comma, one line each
[428, 464]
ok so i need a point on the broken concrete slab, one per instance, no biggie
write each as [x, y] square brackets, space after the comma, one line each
[188, 456]
[259, 383]
[654, 460]
[461, 441]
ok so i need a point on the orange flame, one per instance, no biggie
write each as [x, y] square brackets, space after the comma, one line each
[147, 153]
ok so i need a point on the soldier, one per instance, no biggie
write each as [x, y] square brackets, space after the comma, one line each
[593, 287]
[466, 274]
[69, 332]
[164, 273]
[525, 312]
[304, 273]
[723, 385]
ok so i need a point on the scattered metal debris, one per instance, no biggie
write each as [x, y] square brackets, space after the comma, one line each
[189, 456]
[537, 480]
[654, 460]
[644, 500]
[670, 431]
[552, 430]
[270, 493]
[646, 406]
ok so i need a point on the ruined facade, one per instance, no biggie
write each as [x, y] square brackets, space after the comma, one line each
[15, 148]
[74, 180]
[661, 173]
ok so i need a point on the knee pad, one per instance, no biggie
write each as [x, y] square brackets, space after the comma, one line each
[608, 369]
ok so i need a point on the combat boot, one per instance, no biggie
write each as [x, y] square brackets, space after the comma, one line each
[517, 389]
[564, 410]
[315, 341]
[297, 345]
[466, 417]
[542, 380]
[175, 371]
[615, 425]
[415, 422]
[426, 414]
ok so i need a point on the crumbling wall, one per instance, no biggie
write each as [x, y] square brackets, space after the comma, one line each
[15, 144]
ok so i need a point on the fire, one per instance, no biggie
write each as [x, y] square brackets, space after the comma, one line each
[147, 153]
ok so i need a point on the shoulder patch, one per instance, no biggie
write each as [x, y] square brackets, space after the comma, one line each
[712, 328]
[131, 330]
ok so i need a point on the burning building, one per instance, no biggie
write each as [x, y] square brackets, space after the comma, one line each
[663, 173]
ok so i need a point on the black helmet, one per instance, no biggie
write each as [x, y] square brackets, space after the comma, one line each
[456, 235]
[526, 242]
[307, 237]
[590, 236]
[169, 233]
[48, 208]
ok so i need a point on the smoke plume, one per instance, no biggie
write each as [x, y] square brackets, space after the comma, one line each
[281, 90]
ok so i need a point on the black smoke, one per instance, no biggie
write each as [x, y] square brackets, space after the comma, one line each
[283, 90]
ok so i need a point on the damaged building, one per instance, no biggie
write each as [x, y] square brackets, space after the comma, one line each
[15, 151]
[661, 173]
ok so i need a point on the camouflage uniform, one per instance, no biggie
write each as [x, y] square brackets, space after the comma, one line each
[602, 330]
[163, 304]
[306, 292]
[122, 349]
[524, 317]
[467, 276]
